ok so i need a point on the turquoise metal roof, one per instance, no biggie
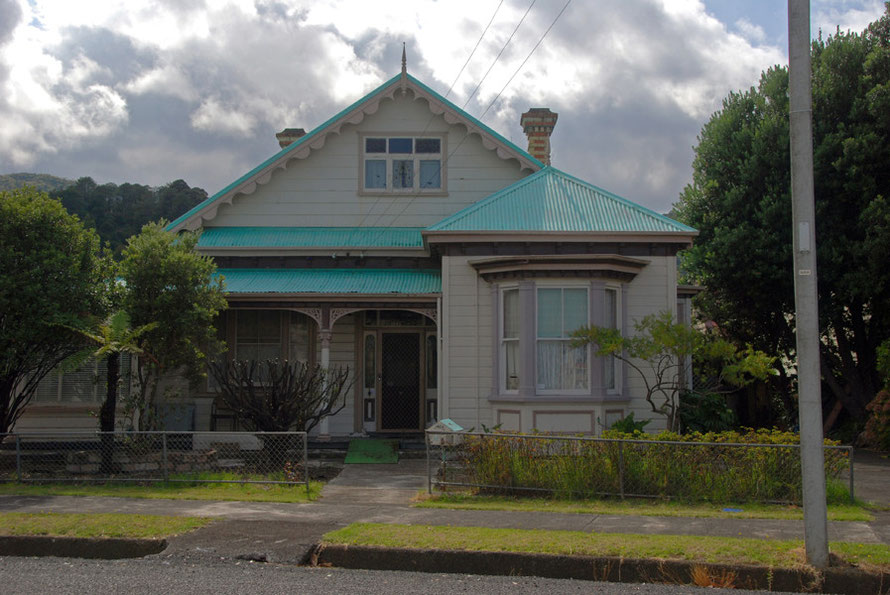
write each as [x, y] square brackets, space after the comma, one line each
[553, 201]
[339, 281]
[320, 128]
[311, 237]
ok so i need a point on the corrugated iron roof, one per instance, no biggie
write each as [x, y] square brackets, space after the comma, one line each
[553, 201]
[311, 237]
[334, 281]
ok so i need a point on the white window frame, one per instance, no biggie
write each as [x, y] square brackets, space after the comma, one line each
[561, 284]
[612, 360]
[502, 348]
[415, 157]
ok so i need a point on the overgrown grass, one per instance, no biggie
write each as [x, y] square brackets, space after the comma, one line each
[758, 466]
[638, 507]
[176, 490]
[726, 550]
[97, 525]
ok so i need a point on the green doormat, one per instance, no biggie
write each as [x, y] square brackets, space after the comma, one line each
[372, 451]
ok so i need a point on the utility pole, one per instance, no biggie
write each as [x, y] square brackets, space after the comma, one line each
[806, 301]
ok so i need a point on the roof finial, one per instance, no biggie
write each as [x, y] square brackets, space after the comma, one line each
[404, 61]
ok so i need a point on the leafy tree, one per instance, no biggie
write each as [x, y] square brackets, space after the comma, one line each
[279, 396]
[661, 352]
[52, 275]
[739, 200]
[169, 283]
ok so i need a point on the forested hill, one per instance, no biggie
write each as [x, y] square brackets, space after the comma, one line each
[44, 182]
[119, 211]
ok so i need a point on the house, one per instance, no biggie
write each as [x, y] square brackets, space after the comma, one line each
[442, 263]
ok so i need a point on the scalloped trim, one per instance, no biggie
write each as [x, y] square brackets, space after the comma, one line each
[355, 117]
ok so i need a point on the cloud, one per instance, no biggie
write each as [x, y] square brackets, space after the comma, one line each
[846, 15]
[750, 31]
[154, 90]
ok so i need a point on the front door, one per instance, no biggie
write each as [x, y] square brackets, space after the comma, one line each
[400, 394]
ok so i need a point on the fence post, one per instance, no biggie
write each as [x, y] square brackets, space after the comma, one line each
[306, 460]
[164, 456]
[852, 493]
[429, 478]
[621, 468]
[18, 457]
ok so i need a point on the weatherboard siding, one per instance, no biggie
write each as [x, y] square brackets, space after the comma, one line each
[469, 338]
[322, 190]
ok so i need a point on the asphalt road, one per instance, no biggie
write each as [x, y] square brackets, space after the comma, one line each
[68, 575]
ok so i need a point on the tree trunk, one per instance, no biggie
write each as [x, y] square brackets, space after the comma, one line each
[106, 414]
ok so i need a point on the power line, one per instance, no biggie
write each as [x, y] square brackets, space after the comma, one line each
[451, 153]
[432, 117]
[526, 59]
[498, 57]
[475, 47]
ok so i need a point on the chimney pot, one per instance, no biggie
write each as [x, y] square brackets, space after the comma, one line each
[537, 124]
[289, 135]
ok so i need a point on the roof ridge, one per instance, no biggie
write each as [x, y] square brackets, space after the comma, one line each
[563, 194]
[619, 198]
[494, 197]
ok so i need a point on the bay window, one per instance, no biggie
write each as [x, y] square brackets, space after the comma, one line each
[510, 339]
[561, 367]
[611, 314]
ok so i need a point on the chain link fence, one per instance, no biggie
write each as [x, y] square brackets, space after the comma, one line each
[573, 467]
[191, 457]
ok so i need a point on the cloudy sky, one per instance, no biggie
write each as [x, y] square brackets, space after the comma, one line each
[149, 91]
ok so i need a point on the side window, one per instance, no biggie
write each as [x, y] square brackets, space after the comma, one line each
[510, 339]
[611, 314]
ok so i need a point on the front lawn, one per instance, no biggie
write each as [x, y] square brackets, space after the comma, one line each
[696, 548]
[248, 492]
[639, 507]
[97, 525]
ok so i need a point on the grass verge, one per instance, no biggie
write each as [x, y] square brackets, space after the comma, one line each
[97, 525]
[248, 492]
[836, 512]
[725, 550]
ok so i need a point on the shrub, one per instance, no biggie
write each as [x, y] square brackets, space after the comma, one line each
[877, 428]
[693, 467]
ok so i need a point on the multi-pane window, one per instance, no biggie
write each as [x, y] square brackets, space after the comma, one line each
[258, 335]
[561, 310]
[402, 164]
[86, 384]
[611, 313]
[510, 338]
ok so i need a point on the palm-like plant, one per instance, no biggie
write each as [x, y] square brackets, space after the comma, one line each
[114, 337]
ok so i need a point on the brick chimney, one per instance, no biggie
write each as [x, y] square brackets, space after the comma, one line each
[537, 124]
[289, 135]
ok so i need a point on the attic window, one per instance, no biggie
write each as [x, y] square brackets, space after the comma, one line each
[402, 164]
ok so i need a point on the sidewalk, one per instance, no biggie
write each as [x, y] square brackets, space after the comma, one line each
[285, 533]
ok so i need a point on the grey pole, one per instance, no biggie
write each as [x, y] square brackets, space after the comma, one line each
[806, 303]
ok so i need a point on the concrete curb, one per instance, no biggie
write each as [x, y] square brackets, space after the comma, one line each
[79, 547]
[848, 581]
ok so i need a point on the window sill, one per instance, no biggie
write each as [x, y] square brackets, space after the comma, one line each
[557, 398]
[411, 193]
